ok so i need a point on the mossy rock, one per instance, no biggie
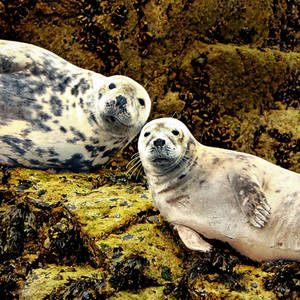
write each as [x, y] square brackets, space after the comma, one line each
[98, 234]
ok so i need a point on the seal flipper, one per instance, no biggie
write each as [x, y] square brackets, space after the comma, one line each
[251, 199]
[192, 239]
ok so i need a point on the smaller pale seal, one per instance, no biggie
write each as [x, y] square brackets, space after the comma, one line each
[56, 115]
[234, 197]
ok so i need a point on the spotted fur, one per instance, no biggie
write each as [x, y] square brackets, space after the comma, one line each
[56, 115]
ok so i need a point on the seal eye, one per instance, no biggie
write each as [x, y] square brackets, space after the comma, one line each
[142, 102]
[112, 86]
[175, 132]
[146, 134]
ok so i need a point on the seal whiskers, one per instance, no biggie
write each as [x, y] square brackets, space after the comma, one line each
[134, 166]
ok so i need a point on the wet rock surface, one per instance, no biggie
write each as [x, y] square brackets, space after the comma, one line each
[82, 235]
[229, 70]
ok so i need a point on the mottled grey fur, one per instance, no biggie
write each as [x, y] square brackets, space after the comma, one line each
[56, 115]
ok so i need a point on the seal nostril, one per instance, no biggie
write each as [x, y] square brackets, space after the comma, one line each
[159, 142]
[121, 100]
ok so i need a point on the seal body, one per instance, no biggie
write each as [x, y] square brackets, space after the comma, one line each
[56, 115]
[221, 194]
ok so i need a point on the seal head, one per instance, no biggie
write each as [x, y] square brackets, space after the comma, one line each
[124, 106]
[165, 146]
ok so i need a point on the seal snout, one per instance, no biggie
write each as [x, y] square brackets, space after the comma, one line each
[159, 142]
[121, 101]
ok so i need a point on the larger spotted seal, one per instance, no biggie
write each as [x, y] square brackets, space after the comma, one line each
[235, 197]
[56, 115]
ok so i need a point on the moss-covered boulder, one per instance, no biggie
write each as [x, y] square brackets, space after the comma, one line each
[98, 236]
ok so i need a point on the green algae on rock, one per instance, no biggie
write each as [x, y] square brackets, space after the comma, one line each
[107, 240]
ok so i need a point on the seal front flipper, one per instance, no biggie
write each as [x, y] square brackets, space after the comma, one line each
[192, 239]
[251, 199]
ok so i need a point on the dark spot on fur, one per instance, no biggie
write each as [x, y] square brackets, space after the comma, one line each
[82, 86]
[94, 140]
[34, 162]
[52, 152]
[81, 102]
[215, 160]
[63, 129]
[56, 106]
[92, 120]
[61, 87]
[277, 191]
[76, 162]
[53, 160]
[241, 157]
[89, 148]
[16, 144]
[78, 134]
[39, 125]
[6, 64]
[44, 116]
[36, 71]
[92, 149]
[101, 148]
[73, 141]
[111, 152]
[40, 151]
[202, 181]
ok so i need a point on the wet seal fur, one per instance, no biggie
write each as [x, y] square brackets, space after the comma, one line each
[238, 198]
[56, 115]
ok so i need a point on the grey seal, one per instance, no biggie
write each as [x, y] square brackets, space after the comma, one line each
[54, 114]
[214, 193]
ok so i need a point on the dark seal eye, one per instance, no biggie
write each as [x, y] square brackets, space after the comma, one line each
[146, 134]
[142, 102]
[112, 86]
[175, 132]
